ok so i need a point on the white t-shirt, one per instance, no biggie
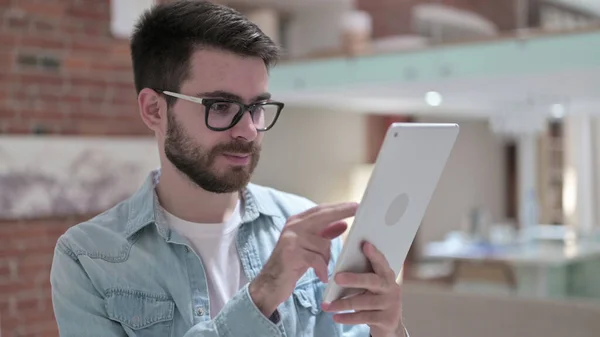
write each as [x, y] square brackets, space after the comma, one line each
[216, 246]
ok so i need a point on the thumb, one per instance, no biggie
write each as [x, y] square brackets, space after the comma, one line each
[334, 230]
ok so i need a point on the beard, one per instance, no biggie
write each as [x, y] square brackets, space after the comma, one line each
[198, 163]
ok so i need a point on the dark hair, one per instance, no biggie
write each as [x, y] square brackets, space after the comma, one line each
[167, 35]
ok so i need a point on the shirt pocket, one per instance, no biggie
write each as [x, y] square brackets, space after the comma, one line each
[311, 320]
[141, 314]
[306, 301]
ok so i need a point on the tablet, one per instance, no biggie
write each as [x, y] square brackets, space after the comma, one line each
[405, 175]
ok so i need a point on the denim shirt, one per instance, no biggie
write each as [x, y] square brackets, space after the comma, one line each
[125, 273]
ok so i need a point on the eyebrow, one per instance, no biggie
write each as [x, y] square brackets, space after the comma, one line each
[231, 96]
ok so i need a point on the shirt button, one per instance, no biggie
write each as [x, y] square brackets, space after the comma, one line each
[200, 311]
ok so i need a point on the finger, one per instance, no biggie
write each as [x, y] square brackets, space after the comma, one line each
[369, 281]
[364, 302]
[308, 212]
[318, 221]
[378, 261]
[318, 245]
[334, 230]
[373, 317]
[317, 262]
[315, 209]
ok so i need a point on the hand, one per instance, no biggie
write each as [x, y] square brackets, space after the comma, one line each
[380, 306]
[305, 242]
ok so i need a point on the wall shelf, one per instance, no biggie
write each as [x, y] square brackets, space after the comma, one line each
[545, 53]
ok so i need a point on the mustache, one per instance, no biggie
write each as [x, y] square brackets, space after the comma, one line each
[237, 147]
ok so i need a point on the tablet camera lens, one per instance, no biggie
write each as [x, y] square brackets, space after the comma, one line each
[396, 134]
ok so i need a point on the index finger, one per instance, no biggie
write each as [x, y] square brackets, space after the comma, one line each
[324, 215]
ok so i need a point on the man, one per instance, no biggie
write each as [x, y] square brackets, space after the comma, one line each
[198, 250]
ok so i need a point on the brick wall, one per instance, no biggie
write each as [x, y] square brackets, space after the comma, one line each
[392, 17]
[61, 72]
[25, 259]
[64, 72]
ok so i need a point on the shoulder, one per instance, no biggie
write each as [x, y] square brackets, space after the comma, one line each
[103, 236]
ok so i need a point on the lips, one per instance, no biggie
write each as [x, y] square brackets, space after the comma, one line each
[238, 155]
[242, 159]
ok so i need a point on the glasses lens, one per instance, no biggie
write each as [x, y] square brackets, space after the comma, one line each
[221, 114]
[264, 115]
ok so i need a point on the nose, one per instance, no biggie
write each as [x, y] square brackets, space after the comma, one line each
[245, 128]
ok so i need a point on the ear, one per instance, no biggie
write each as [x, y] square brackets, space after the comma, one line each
[153, 110]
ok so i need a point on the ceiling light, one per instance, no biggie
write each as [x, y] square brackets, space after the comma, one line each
[433, 98]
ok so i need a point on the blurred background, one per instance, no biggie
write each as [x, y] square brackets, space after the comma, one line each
[510, 244]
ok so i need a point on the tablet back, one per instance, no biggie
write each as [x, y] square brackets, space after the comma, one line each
[406, 173]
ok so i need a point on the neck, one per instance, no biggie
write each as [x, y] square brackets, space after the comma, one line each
[182, 198]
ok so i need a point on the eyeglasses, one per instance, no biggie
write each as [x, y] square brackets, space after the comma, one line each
[223, 114]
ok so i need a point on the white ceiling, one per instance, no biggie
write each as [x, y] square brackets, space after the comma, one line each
[578, 91]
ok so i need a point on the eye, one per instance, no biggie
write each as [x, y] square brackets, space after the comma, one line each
[223, 107]
[257, 108]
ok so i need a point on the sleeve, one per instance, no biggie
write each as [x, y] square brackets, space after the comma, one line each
[80, 309]
[239, 317]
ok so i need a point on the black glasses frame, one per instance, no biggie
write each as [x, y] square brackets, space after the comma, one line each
[209, 102]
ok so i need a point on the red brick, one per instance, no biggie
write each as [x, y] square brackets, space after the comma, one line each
[127, 98]
[40, 260]
[8, 269]
[4, 307]
[43, 42]
[90, 29]
[121, 49]
[118, 67]
[27, 303]
[8, 40]
[8, 114]
[35, 330]
[42, 115]
[16, 128]
[98, 47]
[88, 82]
[17, 23]
[87, 13]
[26, 243]
[11, 252]
[76, 63]
[16, 287]
[98, 96]
[40, 78]
[21, 230]
[38, 314]
[55, 9]
[124, 85]
[5, 271]
[44, 26]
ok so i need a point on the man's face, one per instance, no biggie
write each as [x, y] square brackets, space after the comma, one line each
[219, 162]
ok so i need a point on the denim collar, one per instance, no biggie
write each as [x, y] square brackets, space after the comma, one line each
[144, 208]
